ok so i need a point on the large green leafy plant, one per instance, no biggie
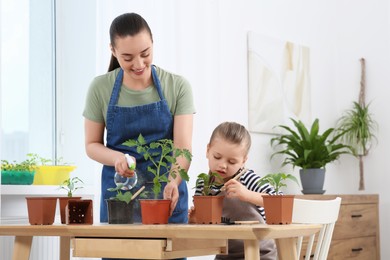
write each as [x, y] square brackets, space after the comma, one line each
[309, 149]
[163, 155]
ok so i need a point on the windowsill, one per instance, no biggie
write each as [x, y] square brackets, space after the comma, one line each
[41, 190]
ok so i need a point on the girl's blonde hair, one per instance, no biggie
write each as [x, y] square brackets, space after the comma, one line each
[233, 133]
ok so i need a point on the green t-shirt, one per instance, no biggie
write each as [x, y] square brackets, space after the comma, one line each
[175, 88]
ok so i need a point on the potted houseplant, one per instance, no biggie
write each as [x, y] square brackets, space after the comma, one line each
[51, 172]
[70, 185]
[120, 206]
[311, 151]
[18, 173]
[358, 129]
[278, 208]
[207, 205]
[163, 156]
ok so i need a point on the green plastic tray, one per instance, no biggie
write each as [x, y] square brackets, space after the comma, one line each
[17, 177]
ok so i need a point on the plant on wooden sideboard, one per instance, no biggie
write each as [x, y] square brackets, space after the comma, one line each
[311, 151]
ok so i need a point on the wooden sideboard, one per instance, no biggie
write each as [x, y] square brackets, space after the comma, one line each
[356, 234]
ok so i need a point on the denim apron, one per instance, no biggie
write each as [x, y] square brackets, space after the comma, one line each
[154, 121]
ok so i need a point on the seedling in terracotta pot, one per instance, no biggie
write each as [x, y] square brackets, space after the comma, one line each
[71, 185]
[208, 179]
[278, 208]
[207, 205]
[163, 156]
[277, 180]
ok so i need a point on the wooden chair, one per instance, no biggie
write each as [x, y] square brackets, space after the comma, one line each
[323, 212]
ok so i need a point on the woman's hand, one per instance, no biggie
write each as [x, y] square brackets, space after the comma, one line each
[122, 167]
[171, 192]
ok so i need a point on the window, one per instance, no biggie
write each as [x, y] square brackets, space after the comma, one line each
[27, 78]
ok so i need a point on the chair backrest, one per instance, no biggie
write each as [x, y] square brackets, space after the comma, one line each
[323, 212]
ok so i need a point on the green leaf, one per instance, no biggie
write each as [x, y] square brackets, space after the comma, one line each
[163, 157]
[277, 180]
[308, 149]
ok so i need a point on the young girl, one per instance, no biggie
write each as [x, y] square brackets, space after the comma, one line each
[227, 153]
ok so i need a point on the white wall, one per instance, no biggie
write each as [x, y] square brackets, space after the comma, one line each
[206, 42]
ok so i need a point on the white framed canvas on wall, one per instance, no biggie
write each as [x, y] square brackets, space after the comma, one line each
[279, 82]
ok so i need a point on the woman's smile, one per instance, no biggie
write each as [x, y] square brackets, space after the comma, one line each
[138, 72]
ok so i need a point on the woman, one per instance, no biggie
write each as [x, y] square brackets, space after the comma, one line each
[137, 97]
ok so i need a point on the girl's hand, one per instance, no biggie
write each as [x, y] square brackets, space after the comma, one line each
[122, 167]
[234, 189]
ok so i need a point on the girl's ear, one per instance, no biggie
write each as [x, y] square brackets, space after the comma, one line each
[245, 159]
[207, 150]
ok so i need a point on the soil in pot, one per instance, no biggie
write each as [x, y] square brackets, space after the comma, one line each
[63, 203]
[79, 211]
[278, 209]
[155, 211]
[208, 209]
[41, 210]
[119, 212]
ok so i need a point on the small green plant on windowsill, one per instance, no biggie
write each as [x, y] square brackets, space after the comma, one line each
[27, 165]
[42, 161]
[16, 173]
[71, 185]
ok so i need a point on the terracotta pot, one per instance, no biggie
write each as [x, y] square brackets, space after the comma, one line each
[208, 209]
[119, 212]
[155, 211]
[41, 210]
[278, 209]
[79, 212]
[63, 203]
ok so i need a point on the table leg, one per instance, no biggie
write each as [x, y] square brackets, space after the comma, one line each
[287, 248]
[64, 248]
[22, 247]
[251, 249]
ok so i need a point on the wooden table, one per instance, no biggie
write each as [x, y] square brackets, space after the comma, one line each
[156, 241]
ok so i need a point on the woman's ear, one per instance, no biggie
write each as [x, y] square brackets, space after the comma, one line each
[112, 50]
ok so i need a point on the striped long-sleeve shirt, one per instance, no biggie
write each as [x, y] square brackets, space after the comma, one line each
[249, 180]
